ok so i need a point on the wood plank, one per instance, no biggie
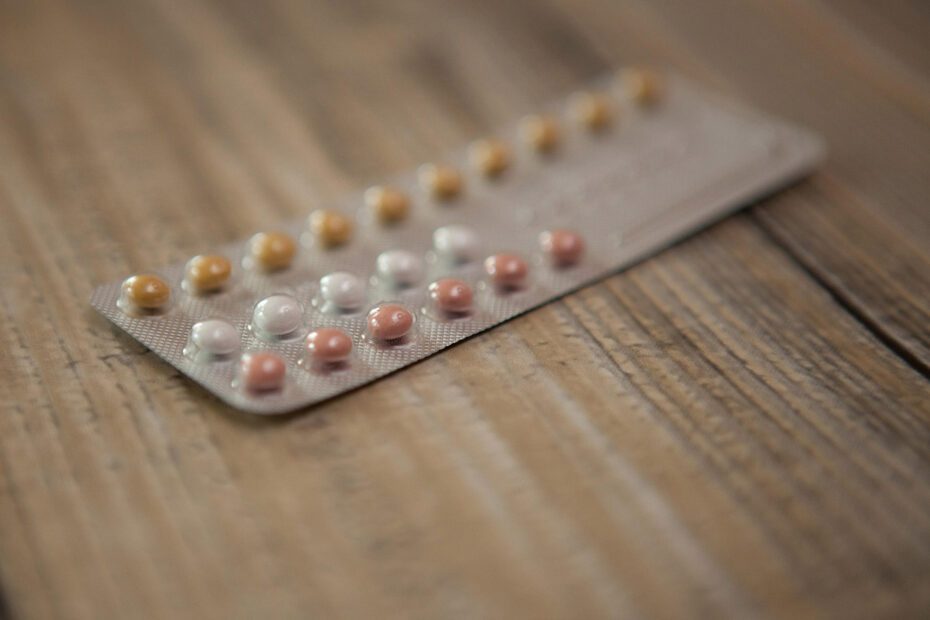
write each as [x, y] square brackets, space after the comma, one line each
[802, 63]
[897, 29]
[708, 434]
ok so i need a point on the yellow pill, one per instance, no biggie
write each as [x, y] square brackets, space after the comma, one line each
[207, 273]
[330, 227]
[146, 291]
[644, 86]
[272, 251]
[592, 110]
[388, 204]
[442, 182]
[490, 157]
[540, 132]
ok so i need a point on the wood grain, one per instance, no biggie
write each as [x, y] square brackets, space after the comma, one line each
[738, 427]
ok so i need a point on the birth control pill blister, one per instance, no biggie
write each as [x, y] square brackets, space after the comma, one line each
[388, 276]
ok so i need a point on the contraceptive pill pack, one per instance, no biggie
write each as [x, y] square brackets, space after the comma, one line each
[396, 273]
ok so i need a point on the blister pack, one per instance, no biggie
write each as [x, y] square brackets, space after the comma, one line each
[400, 271]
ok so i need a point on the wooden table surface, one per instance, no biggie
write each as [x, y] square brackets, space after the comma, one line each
[737, 427]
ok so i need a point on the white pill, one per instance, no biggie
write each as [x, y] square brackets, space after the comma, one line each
[344, 290]
[456, 243]
[400, 267]
[277, 315]
[215, 337]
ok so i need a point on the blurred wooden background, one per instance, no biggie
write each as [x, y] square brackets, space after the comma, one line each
[738, 427]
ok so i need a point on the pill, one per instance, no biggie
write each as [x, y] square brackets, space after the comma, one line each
[451, 295]
[456, 243]
[643, 86]
[272, 251]
[388, 204]
[277, 315]
[389, 322]
[564, 247]
[262, 371]
[490, 157]
[540, 132]
[329, 345]
[400, 267]
[591, 110]
[204, 274]
[215, 337]
[146, 291]
[330, 228]
[506, 270]
[442, 182]
[344, 290]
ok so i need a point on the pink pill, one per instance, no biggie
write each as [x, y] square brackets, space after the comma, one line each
[389, 322]
[329, 345]
[262, 371]
[564, 247]
[451, 295]
[506, 270]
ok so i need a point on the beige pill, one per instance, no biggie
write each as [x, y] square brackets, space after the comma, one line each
[644, 86]
[442, 182]
[388, 204]
[208, 273]
[272, 251]
[490, 157]
[146, 291]
[541, 133]
[593, 111]
[330, 228]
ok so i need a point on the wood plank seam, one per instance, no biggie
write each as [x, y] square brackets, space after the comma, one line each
[843, 300]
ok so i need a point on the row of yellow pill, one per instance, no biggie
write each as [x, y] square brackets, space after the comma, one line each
[491, 157]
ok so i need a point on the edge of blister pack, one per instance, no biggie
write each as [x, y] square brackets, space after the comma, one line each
[659, 176]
